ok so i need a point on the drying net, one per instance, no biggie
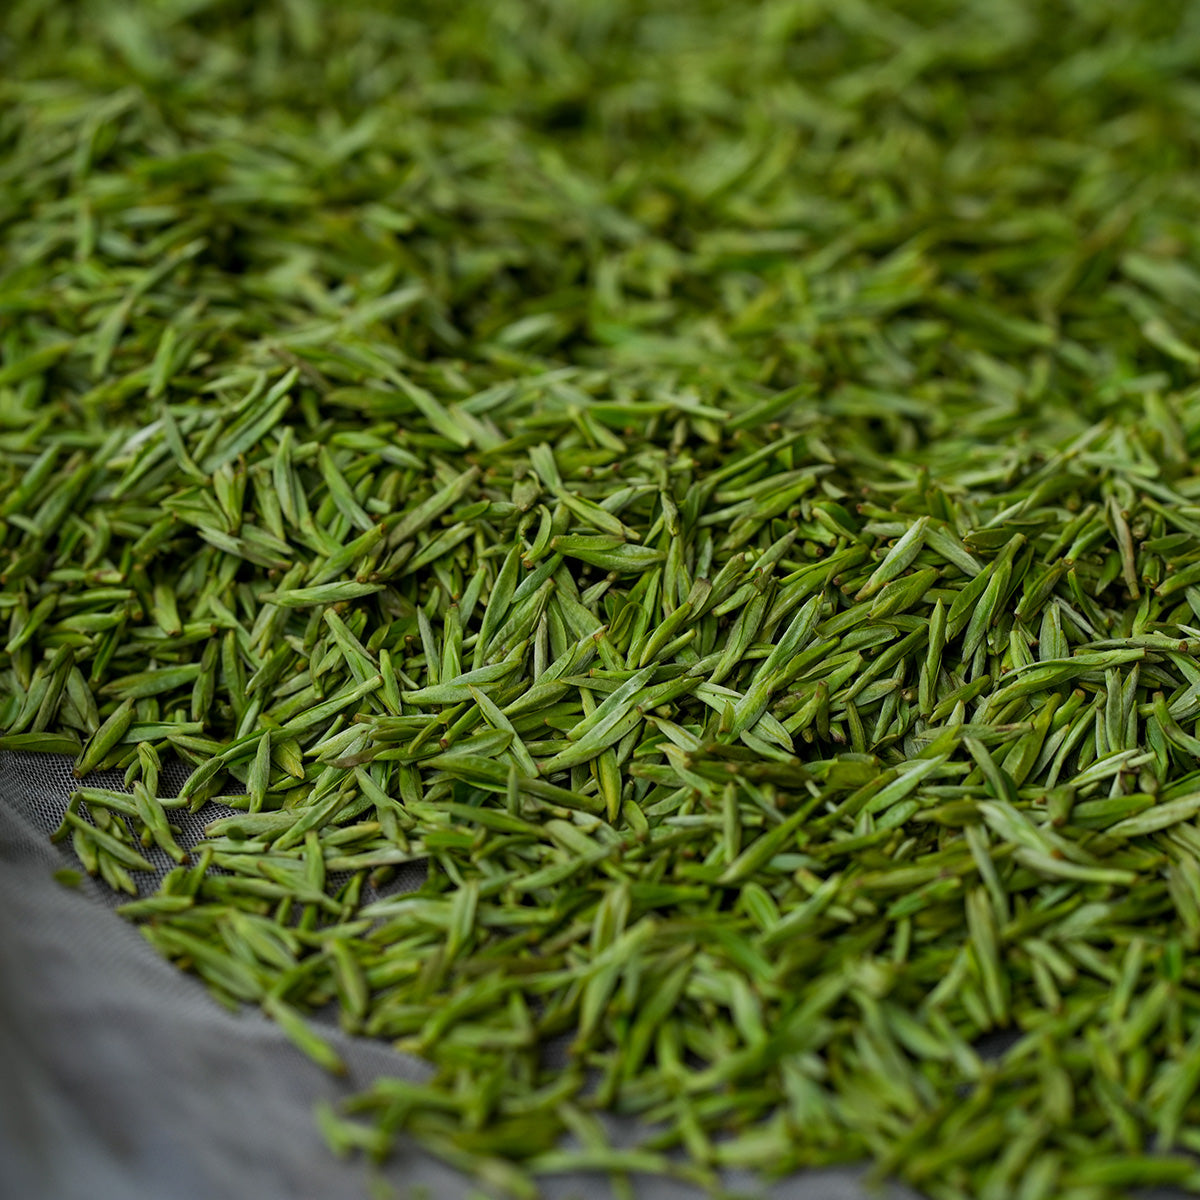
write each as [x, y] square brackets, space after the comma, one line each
[122, 1079]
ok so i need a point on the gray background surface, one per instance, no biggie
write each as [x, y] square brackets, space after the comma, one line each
[121, 1079]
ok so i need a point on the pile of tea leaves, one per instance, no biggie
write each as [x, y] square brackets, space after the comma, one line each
[714, 480]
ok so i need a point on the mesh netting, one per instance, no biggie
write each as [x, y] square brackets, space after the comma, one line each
[37, 787]
[124, 1080]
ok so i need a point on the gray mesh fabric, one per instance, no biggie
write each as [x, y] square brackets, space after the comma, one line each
[122, 1079]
